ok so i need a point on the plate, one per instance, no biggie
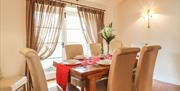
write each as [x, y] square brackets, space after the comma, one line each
[79, 57]
[71, 62]
[104, 62]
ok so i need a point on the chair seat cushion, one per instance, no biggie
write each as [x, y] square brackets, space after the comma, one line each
[12, 83]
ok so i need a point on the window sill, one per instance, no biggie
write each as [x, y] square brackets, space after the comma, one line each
[50, 75]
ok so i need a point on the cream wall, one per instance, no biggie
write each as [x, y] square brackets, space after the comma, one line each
[130, 27]
[12, 36]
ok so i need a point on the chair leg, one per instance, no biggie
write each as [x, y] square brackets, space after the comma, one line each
[25, 87]
[82, 88]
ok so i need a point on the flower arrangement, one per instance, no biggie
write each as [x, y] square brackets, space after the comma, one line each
[107, 35]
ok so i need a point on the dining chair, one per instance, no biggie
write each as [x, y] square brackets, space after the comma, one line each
[121, 69]
[115, 44]
[39, 82]
[73, 50]
[95, 49]
[14, 83]
[145, 68]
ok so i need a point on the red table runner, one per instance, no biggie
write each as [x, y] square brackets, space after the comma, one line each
[62, 73]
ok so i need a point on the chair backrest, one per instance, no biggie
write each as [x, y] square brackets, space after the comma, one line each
[36, 71]
[115, 44]
[73, 50]
[95, 49]
[145, 68]
[121, 69]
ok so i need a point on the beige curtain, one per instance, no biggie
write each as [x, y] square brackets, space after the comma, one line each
[0, 67]
[44, 20]
[45, 26]
[92, 21]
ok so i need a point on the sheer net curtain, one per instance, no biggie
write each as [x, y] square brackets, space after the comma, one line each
[44, 21]
[92, 21]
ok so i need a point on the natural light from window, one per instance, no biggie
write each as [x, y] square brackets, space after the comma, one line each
[71, 34]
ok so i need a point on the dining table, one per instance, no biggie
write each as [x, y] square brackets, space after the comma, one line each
[88, 73]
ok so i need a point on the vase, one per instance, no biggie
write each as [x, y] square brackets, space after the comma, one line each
[107, 47]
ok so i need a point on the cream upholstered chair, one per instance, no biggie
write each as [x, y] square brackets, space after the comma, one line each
[14, 83]
[121, 69]
[95, 49]
[37, 74]
[145, 68]
[73, 50]
[115, 44]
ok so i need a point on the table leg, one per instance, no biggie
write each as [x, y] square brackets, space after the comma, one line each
[91, 84]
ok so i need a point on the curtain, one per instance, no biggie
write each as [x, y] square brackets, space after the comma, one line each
[92, 21]
[44, 20]
[0, 69]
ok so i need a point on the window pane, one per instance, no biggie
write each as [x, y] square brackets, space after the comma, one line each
[58, 51]
[73, 22]
[75, 36]
[74, 33]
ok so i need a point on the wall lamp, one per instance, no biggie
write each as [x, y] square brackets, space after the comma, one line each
[147, 16]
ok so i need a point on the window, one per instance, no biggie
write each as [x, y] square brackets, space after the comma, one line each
[74, 32]
[71, 34]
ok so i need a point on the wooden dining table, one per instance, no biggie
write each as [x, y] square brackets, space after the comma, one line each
[89, 74]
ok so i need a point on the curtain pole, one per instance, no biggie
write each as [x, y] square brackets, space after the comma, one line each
[81, 5]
